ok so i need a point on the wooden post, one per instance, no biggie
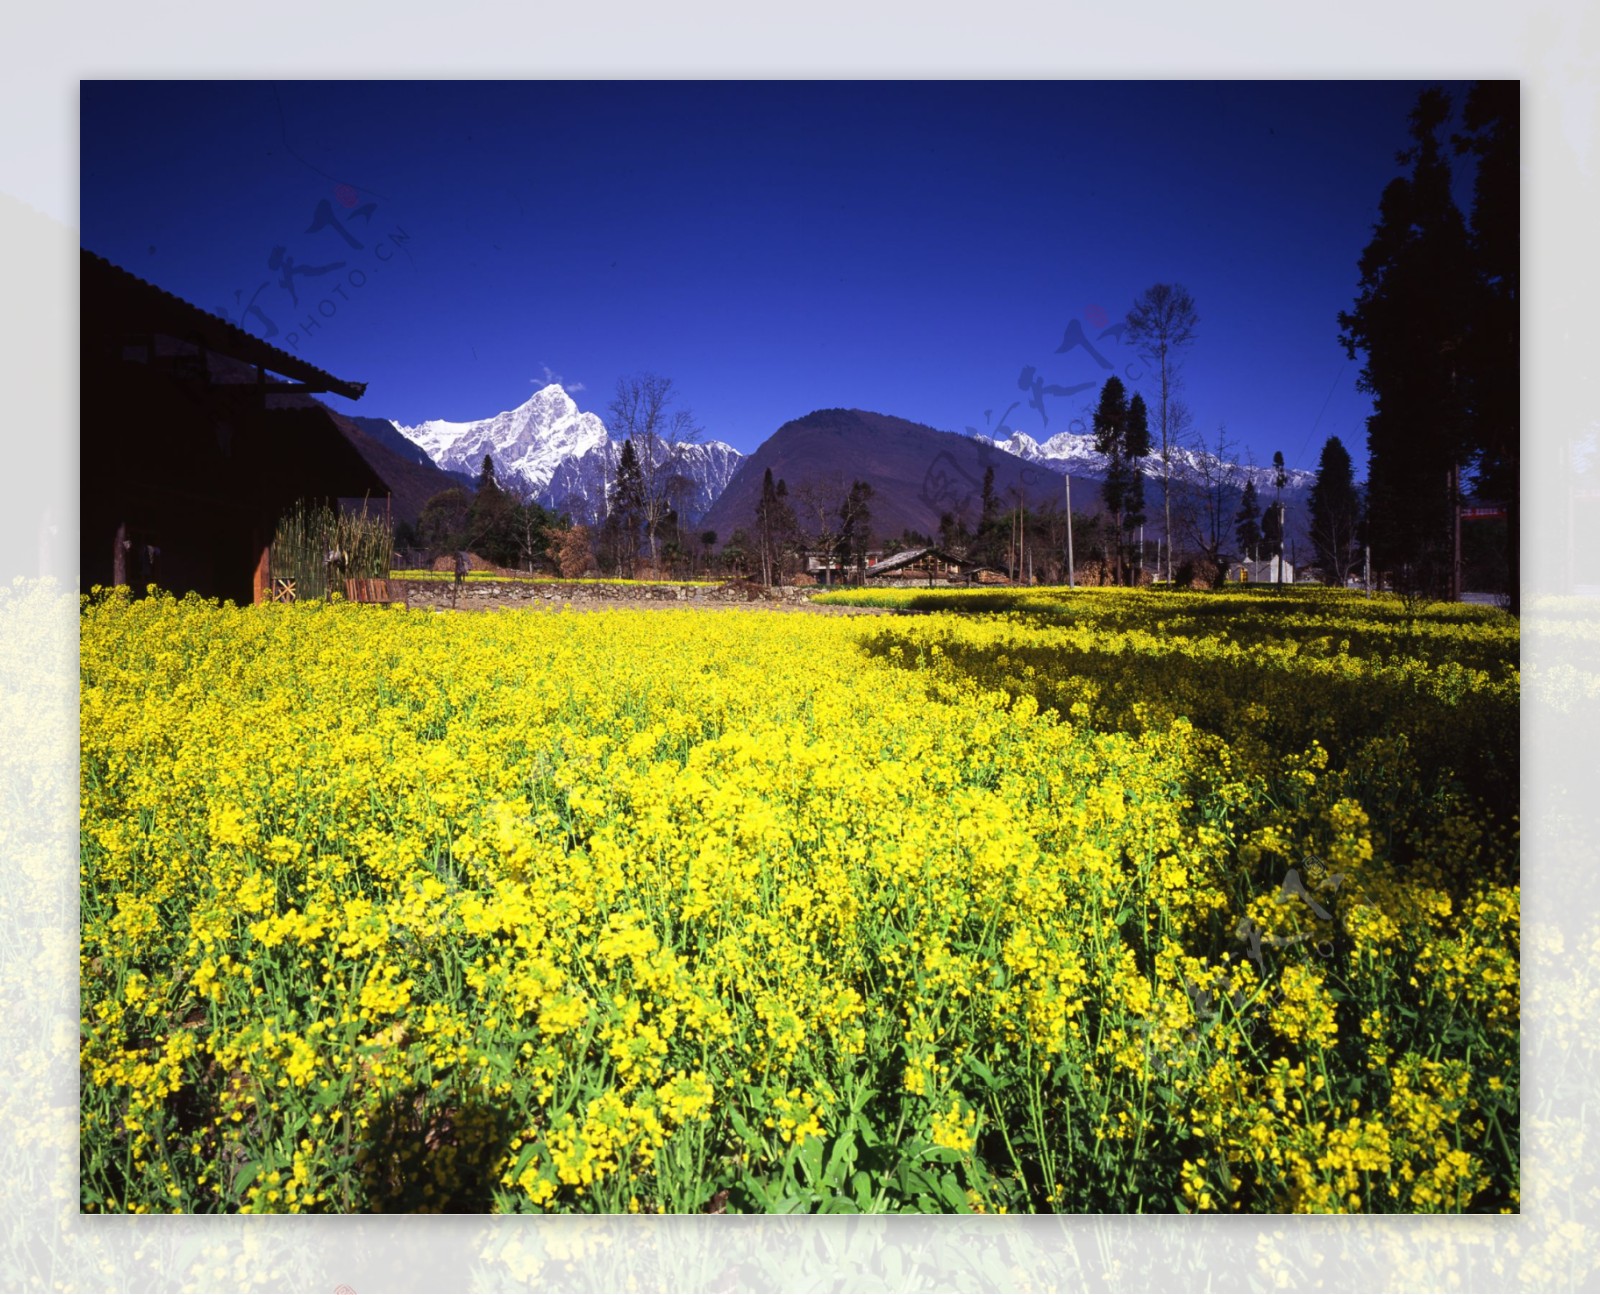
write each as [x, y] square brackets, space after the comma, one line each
[1455, 528]
[1072, 577]
[119, 556]
[261, 581]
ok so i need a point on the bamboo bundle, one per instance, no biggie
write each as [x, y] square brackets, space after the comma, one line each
[313, 541]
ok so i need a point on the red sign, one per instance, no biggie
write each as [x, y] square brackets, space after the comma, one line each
[1481, 514]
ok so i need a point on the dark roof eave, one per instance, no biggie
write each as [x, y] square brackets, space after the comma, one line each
[183, 319]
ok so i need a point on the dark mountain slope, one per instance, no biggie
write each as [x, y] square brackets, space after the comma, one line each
[916, 473]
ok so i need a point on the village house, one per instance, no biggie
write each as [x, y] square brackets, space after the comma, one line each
[196, 437]
[1261, 571]
[930, 567]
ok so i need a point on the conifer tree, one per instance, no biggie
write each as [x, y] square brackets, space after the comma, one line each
[1122, 434]
[1247, 523]
[1409, 323]
[1335, 511]
[626, 512]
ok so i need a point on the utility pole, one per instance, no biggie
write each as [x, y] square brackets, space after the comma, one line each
[1022, 527]
[1455, 528]
[1283, 520]
[1072, 576]
[1011, 557]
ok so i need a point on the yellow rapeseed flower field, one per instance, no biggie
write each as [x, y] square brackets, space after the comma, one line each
[1027, 901]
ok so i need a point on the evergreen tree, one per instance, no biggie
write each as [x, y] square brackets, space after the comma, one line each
[625, 515]
[1122, 434]
[954, 538]
[1272, 534]
[1335, 512]
[774, 527]
[855, 521]
[1137, 447]
[495, 527]
[1247, 523]
[1409, 323]
[990, 541]
[486, 478]
[443, 524]
[646, 411]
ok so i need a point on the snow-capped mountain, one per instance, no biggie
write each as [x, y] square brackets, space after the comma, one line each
[563, 456]
[1074, 452]
[695, 476]
[527, 443]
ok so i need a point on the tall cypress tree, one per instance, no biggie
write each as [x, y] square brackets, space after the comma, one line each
[1247, 522]
[1335, 511]
[1122, 434]
[626, 514]
[1409, 322]
[855, 527]
[774, 526]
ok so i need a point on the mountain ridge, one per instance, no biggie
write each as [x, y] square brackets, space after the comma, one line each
[563, 456]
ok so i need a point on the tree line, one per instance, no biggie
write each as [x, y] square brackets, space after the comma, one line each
[1436, 324]
[638, 527]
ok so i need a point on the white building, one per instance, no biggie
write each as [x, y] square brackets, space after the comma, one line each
[1264, 571]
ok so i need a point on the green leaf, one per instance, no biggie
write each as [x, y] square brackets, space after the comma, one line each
[810, 1160]
[523, 1157]
[950, 1191]
[861, 1185]
[751, 1137]
[840, 1163]
[983, 1072]
[758, 1192]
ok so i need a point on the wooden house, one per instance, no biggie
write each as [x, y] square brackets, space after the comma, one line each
[926, 566]
[196, 437]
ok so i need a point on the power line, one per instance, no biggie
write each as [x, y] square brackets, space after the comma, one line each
[1311, 435]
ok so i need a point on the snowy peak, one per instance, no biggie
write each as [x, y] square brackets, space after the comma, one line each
[564, 457]
[1075, 452]
[527, 443]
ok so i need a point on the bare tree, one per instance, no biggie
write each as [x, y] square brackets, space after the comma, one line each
[646, 411]
[1161, 323]
[818, 506]
[1207, 506]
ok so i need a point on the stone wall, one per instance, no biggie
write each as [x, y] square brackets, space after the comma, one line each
[502, 593]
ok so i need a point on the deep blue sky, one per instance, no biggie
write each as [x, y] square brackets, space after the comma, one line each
[772, 247]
